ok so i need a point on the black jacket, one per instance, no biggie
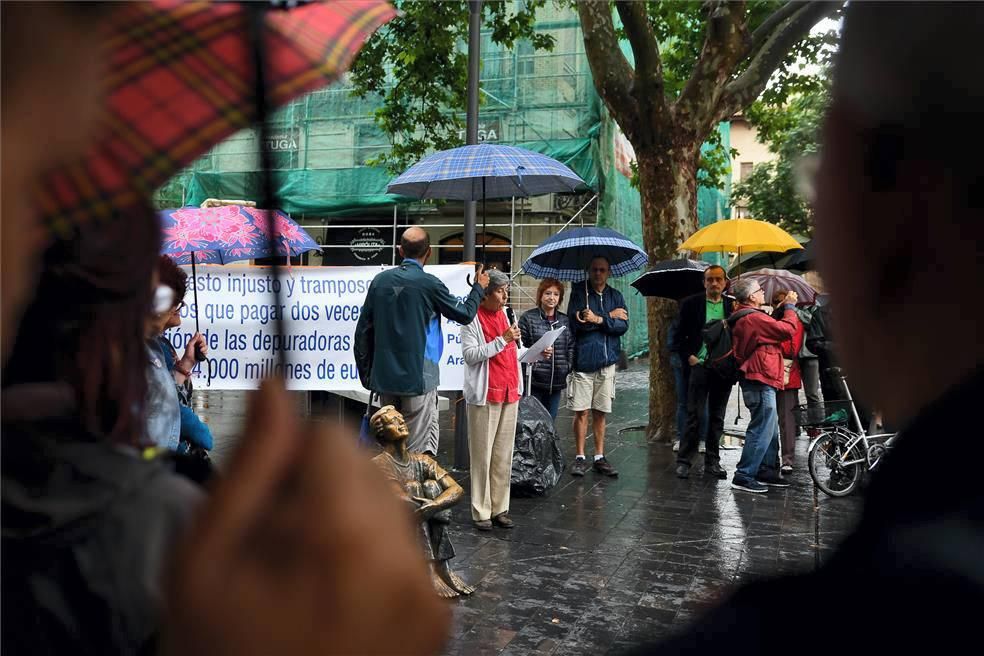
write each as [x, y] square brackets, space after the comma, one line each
[549, 374]
[87, 529]
[818, 334]
[912, 566]
[690, 325]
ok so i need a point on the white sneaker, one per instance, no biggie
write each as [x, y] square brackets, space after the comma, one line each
[701, 448]
[676, 445]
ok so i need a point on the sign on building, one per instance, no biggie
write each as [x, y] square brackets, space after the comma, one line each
[488, 131]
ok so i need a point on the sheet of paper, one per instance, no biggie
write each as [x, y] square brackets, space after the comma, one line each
[535, 352]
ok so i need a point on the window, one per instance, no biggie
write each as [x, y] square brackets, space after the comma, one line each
[746, 169]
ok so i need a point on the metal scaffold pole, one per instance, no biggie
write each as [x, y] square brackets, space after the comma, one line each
[461, 458]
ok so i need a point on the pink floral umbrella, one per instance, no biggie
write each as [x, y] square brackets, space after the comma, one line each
[229, 233]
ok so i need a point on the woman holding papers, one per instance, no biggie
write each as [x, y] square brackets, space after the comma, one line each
[493, 386]
[549, 376]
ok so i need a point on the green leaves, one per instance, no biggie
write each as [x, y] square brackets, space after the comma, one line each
[792, 133]
[418, 65]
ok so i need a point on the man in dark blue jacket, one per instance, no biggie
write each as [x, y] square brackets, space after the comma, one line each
[598, 319]
[398, 342]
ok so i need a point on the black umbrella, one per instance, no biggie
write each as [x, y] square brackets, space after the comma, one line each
[801, 260]
[797, 259]
[675, 279]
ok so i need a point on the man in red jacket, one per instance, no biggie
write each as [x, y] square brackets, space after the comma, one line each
[757, 338]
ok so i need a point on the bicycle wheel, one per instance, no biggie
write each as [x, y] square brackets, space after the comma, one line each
[827, 468]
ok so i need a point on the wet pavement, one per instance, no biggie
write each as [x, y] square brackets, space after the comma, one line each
[604, 563]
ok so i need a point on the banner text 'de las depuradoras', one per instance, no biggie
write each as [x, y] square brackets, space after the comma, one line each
[238, 314]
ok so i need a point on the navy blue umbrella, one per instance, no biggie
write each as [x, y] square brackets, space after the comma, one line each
[566, 255]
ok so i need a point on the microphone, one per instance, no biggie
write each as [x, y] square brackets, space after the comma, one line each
[511, 316]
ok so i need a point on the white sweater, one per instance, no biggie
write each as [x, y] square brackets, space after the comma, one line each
[477, 353]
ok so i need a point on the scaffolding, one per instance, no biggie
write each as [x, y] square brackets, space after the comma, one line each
[542, 101]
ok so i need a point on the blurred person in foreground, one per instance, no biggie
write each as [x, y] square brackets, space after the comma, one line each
[899, 228]
[300, 549]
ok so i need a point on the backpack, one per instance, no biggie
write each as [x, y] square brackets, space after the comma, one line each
[720, 351]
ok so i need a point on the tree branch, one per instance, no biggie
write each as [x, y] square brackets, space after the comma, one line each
[723, 46]
[648, 65]
[764, 31]
[743, 91]
[613, 75]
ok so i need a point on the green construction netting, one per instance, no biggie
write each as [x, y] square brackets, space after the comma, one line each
[344, 192]
[543, 101]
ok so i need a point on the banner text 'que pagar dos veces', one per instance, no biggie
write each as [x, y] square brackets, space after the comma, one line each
[237, 312]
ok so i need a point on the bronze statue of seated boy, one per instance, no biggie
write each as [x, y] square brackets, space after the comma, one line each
[431, 491]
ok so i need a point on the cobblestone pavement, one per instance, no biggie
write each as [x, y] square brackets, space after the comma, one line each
[601, 563]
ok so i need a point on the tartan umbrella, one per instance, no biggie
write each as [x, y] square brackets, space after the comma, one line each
[484, 171]
[181, 80]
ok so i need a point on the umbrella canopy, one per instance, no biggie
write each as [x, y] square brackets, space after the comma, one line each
[485, 171]
[229, 233]
[798, 259]
[675, 279]
[738, 236]
[180, 81]
[772, 279]
[566, 255]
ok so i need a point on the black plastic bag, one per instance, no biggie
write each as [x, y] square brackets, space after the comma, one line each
[537, 459]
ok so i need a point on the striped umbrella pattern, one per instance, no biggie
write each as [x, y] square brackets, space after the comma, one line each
[566, 255]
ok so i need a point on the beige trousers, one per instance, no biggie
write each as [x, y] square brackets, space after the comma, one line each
[491, 435]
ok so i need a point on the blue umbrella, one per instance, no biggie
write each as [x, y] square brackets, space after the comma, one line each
[566, 255]
[485, 171]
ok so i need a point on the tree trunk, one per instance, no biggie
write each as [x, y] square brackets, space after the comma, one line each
[668, 187]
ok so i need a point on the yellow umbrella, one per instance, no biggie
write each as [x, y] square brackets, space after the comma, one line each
[738, 236]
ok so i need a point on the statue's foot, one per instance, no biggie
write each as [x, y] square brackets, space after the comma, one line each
[453, 580]
[442, 589]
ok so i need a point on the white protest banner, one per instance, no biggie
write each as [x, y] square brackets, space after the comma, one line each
[320, 307]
